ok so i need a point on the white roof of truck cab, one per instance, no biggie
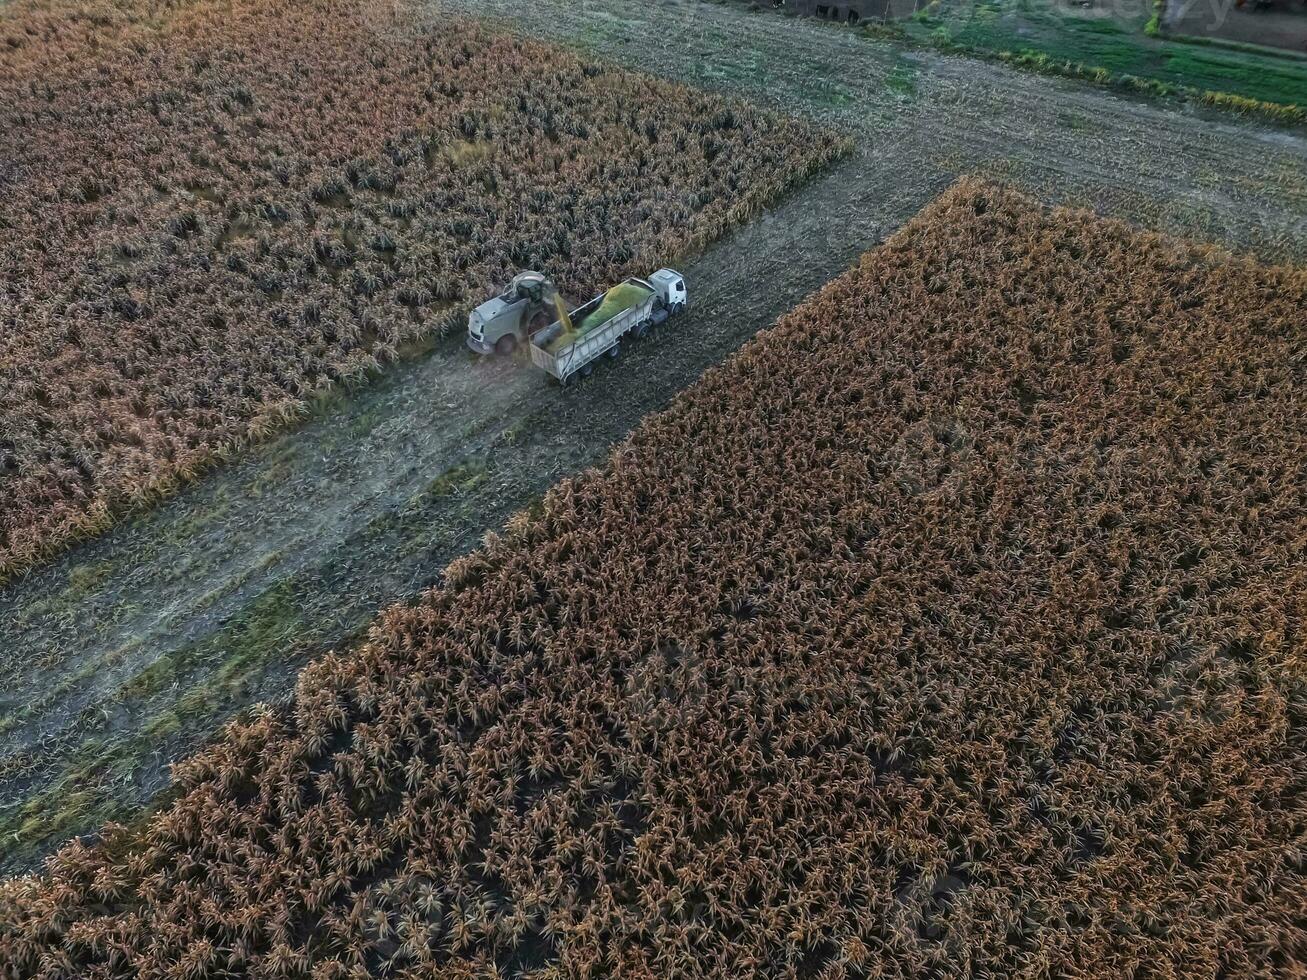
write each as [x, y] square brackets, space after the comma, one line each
[664, 275]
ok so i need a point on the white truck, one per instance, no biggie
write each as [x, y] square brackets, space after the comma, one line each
[567, 344]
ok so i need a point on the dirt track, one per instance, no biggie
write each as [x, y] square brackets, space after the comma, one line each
[135, 647]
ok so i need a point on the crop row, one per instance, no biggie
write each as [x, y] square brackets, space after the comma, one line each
[207, 220]
[954, 626]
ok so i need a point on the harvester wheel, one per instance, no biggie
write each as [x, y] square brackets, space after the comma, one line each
[506, 344]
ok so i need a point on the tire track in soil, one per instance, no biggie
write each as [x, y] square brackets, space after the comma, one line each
[291, 549]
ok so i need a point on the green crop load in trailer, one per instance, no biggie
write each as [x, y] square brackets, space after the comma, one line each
[619, 299]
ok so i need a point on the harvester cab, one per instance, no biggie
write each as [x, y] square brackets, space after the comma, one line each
[530, 303]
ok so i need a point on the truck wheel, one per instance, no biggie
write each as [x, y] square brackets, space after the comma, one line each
[587, 368]
[614, 351]
[506, 344]
[641, 329]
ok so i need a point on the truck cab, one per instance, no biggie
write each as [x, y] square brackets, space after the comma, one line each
[670, 286]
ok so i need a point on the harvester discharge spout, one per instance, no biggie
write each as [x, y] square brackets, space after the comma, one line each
[564, 317]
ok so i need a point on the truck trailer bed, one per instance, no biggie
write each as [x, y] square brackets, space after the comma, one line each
[564, 360]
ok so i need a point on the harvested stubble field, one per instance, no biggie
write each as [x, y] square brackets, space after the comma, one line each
[952, 626]
[211, 212]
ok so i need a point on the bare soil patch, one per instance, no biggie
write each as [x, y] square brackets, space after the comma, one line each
[1280, 25]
